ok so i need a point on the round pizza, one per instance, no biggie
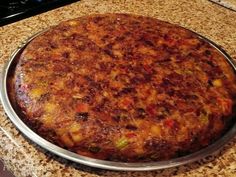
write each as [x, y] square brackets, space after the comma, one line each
[123, 87]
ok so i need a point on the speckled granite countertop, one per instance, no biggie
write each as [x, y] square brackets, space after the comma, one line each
[25, 158]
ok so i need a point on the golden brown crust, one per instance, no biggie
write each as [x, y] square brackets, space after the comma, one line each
[125, 87]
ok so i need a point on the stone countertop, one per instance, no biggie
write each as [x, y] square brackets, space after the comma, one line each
[24, 158]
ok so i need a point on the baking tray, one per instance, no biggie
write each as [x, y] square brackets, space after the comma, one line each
[103, 164]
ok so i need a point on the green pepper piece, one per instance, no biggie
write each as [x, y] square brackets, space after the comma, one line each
[122, 143]
[204, 117]
[94, 149]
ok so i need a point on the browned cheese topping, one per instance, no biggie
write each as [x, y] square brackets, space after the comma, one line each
[125, 88]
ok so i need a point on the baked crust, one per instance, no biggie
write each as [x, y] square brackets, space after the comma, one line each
[124, 88]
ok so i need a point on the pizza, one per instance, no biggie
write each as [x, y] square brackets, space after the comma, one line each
[123, 87]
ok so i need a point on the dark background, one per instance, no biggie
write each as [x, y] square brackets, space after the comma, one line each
[14, 10]
[4, 172]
